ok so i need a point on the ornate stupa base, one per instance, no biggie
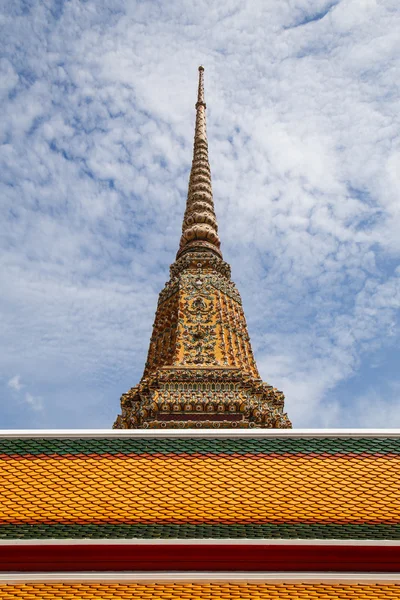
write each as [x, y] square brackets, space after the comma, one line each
[198, 397]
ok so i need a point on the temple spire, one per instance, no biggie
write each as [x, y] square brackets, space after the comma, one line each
[200, 369]
[200, 229]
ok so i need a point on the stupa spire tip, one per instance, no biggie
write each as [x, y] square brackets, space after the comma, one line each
[200, 93]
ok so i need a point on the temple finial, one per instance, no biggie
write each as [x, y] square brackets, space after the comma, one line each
[200, 229]
[200, 92]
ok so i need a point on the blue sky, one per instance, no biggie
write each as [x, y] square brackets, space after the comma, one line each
[97, 103]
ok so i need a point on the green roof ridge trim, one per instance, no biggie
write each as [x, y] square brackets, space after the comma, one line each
[383, 531]
[66, 446]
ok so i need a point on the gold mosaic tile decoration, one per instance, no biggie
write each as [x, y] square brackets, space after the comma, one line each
[200, 369]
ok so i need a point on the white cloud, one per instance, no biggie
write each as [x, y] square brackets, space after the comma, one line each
[14, 383]
[34, 402]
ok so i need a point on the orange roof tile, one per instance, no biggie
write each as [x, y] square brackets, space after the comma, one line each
[242, 487]
[206, 591]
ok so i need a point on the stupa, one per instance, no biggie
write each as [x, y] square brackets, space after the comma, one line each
[200, 370]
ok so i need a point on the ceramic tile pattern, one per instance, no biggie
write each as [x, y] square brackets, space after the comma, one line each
[206, 591]
[188, 488]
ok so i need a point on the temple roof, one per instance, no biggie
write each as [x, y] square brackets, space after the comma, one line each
[199, 515]
[237, 486]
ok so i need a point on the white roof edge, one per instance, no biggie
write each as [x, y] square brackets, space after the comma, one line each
[196, 542]
[199, 577]
[199, 433]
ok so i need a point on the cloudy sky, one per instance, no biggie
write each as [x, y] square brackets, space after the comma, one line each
[97, 119]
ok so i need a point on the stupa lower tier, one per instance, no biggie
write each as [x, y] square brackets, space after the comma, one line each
[200, 370]
[199, 397]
